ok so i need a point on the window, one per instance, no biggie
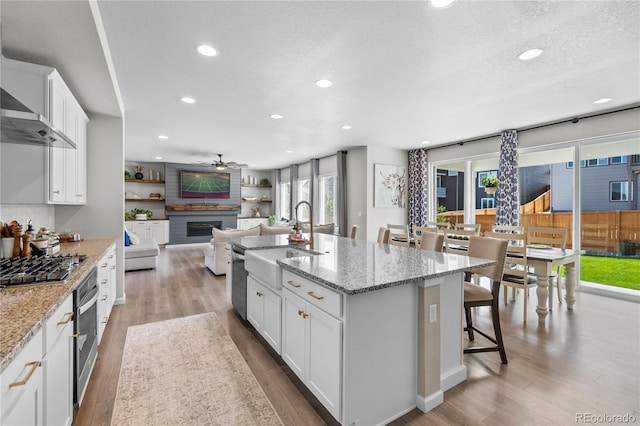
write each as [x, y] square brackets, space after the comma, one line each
[583, 163]
[619, 191]
[487, 203]
[598, 162]
[328, 212]
[304, 194]
[482, 175]
[285, 199]
[621, 159]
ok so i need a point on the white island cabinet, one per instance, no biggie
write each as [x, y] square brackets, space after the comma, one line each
[264, 310]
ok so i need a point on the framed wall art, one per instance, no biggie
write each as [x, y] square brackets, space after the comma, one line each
[389, 183]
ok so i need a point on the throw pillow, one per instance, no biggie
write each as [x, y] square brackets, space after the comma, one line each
[134, 239]
[127, 240]
[274, 230]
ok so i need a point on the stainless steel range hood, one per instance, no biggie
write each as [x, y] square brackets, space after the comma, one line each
[22, 126]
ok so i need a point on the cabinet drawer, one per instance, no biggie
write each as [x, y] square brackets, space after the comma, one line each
[316, 294]
[61, 318]
[22, 369]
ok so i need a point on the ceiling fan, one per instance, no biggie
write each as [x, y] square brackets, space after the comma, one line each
[221, 165]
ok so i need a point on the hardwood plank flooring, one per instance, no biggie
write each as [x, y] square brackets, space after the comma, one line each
[582, 361]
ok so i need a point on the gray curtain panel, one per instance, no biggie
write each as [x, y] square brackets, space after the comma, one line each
[293, 190]
[314, 199]
[508, 193]
[277, 179]
[342, 192]
[418, 188]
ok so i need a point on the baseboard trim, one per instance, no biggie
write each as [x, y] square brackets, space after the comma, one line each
[426, 404]
[610, 291]
[120, 300]
[453, 377]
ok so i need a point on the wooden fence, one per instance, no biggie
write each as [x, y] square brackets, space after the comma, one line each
[601, 230]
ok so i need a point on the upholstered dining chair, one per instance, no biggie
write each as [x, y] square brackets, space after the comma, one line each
[418, 231]
[354, 232]
[477, 295]
[399, 235]
[429, 241]
[516, 274]
[468, 226]
[383, 235]
[552, 237]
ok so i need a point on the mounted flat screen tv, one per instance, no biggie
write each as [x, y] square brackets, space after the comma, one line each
[204, 184]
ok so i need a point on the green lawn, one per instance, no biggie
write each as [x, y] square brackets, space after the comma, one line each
[611, 271]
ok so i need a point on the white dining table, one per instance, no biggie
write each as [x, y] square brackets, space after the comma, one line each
[543, 260]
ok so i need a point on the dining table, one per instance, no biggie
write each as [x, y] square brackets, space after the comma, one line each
[543, 259]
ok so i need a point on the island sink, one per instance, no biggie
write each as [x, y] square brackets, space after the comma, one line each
[262, 263]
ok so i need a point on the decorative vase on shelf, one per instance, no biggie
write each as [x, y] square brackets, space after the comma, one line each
[138, 176]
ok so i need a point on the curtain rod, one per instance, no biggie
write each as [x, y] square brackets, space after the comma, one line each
[573, 120]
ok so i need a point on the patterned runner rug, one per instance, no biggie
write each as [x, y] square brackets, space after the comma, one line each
[187, 371]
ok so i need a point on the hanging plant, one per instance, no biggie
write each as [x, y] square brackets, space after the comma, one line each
[490, 184]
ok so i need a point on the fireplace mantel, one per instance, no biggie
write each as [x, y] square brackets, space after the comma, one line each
[201, 207]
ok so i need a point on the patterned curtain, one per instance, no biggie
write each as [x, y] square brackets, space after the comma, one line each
[508, 193]
[418, 189]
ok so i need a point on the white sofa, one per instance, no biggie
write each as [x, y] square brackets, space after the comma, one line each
[215, 256]
[143, 255]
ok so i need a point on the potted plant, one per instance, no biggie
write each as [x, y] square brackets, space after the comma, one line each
[265, 182]
[131, 215]
[127, 174]
[490, 184]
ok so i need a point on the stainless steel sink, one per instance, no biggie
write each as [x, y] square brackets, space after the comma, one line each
[262, 263]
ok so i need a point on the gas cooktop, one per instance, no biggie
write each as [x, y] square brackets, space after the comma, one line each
[38, 269]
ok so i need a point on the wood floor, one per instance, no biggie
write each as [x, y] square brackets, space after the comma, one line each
[583, 361]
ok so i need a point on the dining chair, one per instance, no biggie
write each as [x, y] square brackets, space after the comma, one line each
[456, 241]
[508, 229]
[477, 295]
[551, 237]
[468, 226]
[354, 231]
[430, 241]
[419, 230]
[383, 235]
[440, 226]
[399, 235]
[516, 273]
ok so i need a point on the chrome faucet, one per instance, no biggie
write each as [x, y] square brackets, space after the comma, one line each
[310, 221]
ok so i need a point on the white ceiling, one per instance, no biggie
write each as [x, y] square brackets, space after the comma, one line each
[403, 72]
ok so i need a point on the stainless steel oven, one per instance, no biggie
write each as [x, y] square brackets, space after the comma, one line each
[86, 332]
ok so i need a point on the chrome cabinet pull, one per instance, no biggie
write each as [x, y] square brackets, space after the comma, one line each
[33, 365]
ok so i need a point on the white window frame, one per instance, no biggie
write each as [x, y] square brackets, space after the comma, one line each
[488, 200]
[285, 199]
[619, 159]
[321, 196]
[303, 211]
[624, 191]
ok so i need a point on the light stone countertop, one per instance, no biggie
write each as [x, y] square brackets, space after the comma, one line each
[355, 266]
[25, 308]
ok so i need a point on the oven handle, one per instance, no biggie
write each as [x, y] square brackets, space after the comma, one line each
[82, 309]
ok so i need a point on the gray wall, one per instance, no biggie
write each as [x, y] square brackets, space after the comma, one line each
[357, 190]
[594, 186]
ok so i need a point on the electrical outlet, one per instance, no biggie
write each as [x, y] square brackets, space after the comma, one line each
[433, 313]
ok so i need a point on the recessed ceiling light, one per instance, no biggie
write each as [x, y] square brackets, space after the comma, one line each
[188, 100]
[252, 165]
[276, 116]
[530, 54]
[346, 127]
[440, 4]
[206, 50]
[163, 137]
[424, 142]
[289, 151]
[158, 158]
[602, 101]
[324, 83]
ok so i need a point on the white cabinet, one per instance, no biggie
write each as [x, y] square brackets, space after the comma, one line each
[22, 387]
[312, 338]
[58, 366]
[106, 288]
[264, 311]
[251, 222]
[157, 230]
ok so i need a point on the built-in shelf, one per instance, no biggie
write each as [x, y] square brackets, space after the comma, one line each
[200, 207]
[144, 199]
[246, 185]
[144, 181]
[256, 201]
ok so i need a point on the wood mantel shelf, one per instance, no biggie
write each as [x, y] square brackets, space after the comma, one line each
[201, 207]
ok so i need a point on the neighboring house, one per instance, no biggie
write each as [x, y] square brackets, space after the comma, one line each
[607, 184]
[534, 181]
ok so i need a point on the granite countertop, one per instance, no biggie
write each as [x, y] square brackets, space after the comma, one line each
[355, 267]
[25, 308]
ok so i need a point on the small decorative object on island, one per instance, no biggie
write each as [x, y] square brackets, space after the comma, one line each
[490, 184]
[138, 170]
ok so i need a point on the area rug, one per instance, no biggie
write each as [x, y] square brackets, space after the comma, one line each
[187, 371]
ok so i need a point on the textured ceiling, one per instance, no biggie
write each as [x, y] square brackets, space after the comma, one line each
[403, 72]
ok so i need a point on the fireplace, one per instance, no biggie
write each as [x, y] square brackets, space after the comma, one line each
[202, 227]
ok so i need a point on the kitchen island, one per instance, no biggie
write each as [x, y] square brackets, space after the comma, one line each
[373, 330]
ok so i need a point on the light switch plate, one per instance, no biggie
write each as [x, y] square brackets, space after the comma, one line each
[433, 313]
